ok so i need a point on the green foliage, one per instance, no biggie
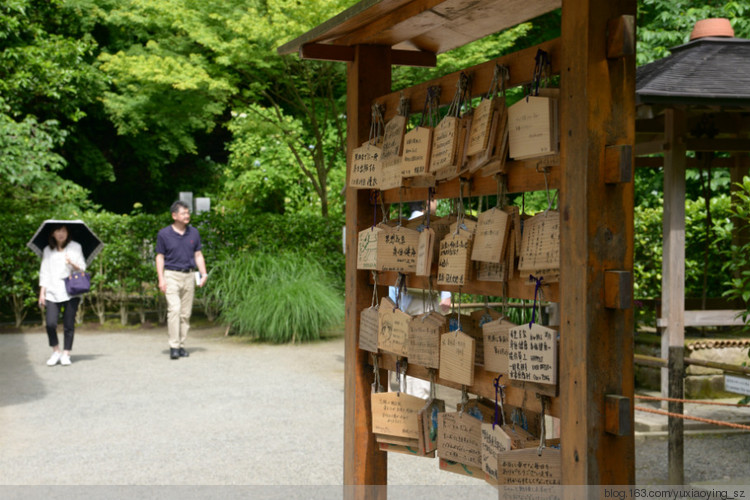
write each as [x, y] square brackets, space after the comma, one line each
[19, 267]
[29, 166]
[664, 24]
[280, 297]
[737, 266]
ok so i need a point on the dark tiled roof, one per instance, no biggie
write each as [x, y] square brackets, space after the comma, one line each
[709, 71]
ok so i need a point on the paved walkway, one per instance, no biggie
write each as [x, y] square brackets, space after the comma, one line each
[233, 413]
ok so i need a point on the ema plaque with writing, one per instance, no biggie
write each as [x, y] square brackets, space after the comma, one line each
[454, 264]
[397, 249]
[366, 167]
[395, 414]
[417, 148]
[532, 354]
[540, 242]
[491, 236]
[457, 352]
[460, 438]
[496, 339]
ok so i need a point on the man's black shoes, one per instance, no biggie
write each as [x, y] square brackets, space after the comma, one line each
[183, 353]
[174, 353]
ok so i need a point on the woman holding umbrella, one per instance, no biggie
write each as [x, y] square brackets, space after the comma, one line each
[61, 257]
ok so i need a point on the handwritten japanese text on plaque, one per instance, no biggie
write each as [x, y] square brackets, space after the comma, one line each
[532, 354]
[540, 242]
[460, 438]
[366, 163]
[395, 414]
[417, 147]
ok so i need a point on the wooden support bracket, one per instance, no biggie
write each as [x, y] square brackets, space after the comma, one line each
[621, 37]
[617, 420]
[344, 53]
[618, 289]
[618, 164]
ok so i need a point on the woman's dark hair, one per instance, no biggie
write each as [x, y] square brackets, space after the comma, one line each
[53, 241]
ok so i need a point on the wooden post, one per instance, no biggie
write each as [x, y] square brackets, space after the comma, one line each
[597, 110]
[673, 284]
[369, 76]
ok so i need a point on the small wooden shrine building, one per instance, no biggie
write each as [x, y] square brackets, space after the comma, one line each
[696, 99]
[595, 58]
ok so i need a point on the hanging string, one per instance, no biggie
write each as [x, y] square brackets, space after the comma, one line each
[501, 190]
[543, 432]
[382, 208]
[374, 289]
[433, 385]
[400, 205]
[430, 110]
[428, 208]
[376, 125]
[403, 105]
[499, 413]
[374, 202]
[537, 287]
[541, 71]
[376, 387]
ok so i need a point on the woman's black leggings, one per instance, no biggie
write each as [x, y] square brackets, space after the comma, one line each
[69, 309]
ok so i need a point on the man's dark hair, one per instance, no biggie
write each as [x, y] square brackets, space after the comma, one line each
[177, 205]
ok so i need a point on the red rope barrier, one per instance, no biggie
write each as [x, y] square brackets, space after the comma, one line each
[688, 417]
[691, 401]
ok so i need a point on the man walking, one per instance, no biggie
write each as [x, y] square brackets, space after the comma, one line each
[178, 253]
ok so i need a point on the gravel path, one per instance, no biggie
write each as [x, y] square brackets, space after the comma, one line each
[233, 413]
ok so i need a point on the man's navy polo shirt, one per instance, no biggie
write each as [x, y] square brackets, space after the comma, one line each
[178, 249]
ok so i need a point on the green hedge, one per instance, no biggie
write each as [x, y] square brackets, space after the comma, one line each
[124, 274]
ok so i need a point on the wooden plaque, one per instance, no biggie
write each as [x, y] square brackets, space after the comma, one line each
[424, 339]
[532, 354]
[369, 320]
[397, 249]
[393, 138]
[395, 414]
[425, 252]
[540, 242]
[526, 467]
[454, 264]
[367, 248]
[491, 236]
[390, 173]
[457, 357]
[393, 329]
[460, 438]
[489, 271]
[494, 441]
[444, 144]
[532, 123]
[417, 148]
[496, 339]
[480, 127]
[428, 424]
[366, 167]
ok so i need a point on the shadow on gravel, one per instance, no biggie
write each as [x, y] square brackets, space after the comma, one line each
[19, 381]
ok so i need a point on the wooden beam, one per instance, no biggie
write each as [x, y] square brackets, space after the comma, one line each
[344, 53]
[658, 162]
[520, 64]
[621, 37]
[618, 289]
[617, 416]
[618, 164]
[364, 464]
[673, 283]
[730, 145]
[520, 178]
[597, 108]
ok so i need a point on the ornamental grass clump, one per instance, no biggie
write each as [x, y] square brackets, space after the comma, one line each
[284, 297]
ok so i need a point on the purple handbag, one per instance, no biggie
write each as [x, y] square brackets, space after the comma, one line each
[78, 283]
